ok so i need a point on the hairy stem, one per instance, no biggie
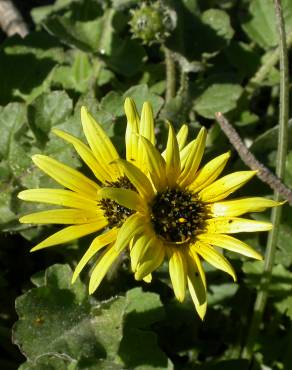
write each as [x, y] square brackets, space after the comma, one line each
[170, 74]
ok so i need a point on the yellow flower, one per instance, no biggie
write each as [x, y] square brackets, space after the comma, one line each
[158, 205]
[84, 210]
[180, 211]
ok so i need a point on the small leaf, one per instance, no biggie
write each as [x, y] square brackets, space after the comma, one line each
[218, 94]
[260, 22]
[47, 111]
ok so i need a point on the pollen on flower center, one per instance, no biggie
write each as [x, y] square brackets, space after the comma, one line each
[114, 212]
[177, 215]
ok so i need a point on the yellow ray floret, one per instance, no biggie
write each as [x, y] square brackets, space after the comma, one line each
[152, 258]
[231, 225]
[61, 197]
[100, 169]
[102, 265]
[138, 179]
[132, 130]
[132, 227]
[66, 176]
[196, 282]
[71, 233]
[125, 197]
[225, 186]
[230, 243]
[238, 207]
[172, 158]
[156, 165]
[214, 258]
[193, 159]
[100, 143]
[177, 271]
[209, 172]
[62, 216]
[98, 243]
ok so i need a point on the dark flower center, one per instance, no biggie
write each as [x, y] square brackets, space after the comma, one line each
[177, 215]
[114, 212]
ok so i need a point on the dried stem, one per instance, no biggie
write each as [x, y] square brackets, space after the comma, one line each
[11, 21]
[250, 160]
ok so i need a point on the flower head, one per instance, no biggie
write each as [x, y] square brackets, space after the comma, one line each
[159, 205]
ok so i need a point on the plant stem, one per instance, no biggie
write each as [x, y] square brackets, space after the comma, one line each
[262, 295]
[170, 74]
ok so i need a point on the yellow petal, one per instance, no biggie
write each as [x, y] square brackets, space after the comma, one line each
[193, 159]
[237, 207]
[185, 151]
[177, 272]
[86, 154]
[147, 123]
[172, 157]
[209, 172]
[155, 164]
[148, 278]
[223, 187]
[102, 266]
[66, 176]
[125, 197]
[138, 179]
[214, 258]
[151, 260]
[138, 249]
[61, 197]
[100, 143]
[98, 243]
[70, 233]
[232, 225]
[146, 130]
[133, 226]
[182, 136]
[197, 283]
[62, 216]
[230, 243]
[132, 130]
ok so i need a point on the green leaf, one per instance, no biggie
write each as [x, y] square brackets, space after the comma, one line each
[218, 94]
[39, 13]
[260, 22]
[141, 94]
[90, 33]
[219, 32]
[285, 306]
[58, 324]
[126, 57]
[76, 76]
[47, 111]
[220, 293]
[26, 66]
[268, 141]
[12, 118]
[281, 277]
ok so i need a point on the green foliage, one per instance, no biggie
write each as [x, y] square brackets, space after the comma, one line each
[82, 52]
[59, 325]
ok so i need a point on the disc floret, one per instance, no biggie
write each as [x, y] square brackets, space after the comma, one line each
[177, 215]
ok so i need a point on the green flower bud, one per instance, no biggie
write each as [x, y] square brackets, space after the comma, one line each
[152, 23]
